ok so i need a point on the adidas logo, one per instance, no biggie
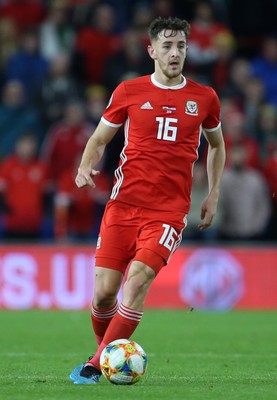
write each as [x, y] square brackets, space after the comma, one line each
[146, 106]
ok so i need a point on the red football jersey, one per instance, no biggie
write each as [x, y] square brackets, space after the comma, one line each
[82, 204]
[162, 133]
[63, 146]
[24, 185]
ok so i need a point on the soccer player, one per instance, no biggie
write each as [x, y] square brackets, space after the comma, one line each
[163, 116]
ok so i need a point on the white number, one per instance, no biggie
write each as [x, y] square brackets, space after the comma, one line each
[165, 130]
[168, 239]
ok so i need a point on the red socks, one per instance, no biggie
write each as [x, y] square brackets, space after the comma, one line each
[122, 325]
[100, 321]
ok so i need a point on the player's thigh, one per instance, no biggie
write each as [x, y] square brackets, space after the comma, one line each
[117, 238]
[161, 235]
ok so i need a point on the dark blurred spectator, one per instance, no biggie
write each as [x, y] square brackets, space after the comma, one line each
[265, 68]
[56, 34]
[15, 117]
[239, 74]
[267, 127]
[8, 44]
[253, 101]
[234, 127]
[270, 171]
[23, 183]
[26, 14]
[200, 190]
[163, 8]
[95, 43]
[27, 65]
[96, 102]
[56, 89]
[202, 50]
[245, 199]
[78, 212]
[228, 105]
[129, 62]
[81, 12]
[225, 47]
[66, 139]
[142, 15]
[185, 9]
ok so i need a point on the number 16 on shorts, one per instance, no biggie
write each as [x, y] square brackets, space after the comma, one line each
[169, 237]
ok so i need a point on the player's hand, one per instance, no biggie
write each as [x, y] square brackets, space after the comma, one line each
[84, 177]
[208, 211]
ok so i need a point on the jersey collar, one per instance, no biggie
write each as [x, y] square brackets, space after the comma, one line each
[180, 86]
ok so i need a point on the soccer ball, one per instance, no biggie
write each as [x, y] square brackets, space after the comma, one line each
[123, 362]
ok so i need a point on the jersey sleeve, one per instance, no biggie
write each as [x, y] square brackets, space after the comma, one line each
[212, 121]
[116, 111]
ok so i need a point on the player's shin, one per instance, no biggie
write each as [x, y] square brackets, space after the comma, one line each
[122, 326]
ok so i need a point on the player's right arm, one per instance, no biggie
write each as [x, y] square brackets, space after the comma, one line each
[93, 153]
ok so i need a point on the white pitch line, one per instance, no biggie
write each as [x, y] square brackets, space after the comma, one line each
[153, 355]
[31, 354]
[213, 355]
[188, 378]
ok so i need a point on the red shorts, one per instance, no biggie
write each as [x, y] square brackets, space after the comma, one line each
[133, 233]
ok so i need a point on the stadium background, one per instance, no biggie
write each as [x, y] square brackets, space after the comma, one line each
[59, 62]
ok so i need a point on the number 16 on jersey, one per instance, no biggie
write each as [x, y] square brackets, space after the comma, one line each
[166, 129]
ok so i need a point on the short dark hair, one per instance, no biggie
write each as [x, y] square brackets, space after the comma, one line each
[173, 24]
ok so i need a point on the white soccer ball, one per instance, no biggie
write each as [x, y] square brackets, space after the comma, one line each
[123, 362]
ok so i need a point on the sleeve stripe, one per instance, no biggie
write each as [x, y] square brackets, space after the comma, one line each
[212, 129]
[106, 122]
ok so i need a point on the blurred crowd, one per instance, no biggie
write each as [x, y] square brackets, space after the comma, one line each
[59, 63]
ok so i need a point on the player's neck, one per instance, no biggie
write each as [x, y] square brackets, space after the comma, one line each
[166, 81]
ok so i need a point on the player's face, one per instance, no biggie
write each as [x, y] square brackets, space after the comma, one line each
[169, 52]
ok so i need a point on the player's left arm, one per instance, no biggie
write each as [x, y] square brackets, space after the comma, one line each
[215, 167]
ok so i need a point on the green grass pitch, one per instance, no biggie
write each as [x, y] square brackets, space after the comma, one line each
[192, 355]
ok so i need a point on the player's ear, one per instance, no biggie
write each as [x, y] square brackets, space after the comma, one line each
[151, 52]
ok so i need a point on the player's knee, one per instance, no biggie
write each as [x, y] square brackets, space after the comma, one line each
[104, 297]
[106, 286]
